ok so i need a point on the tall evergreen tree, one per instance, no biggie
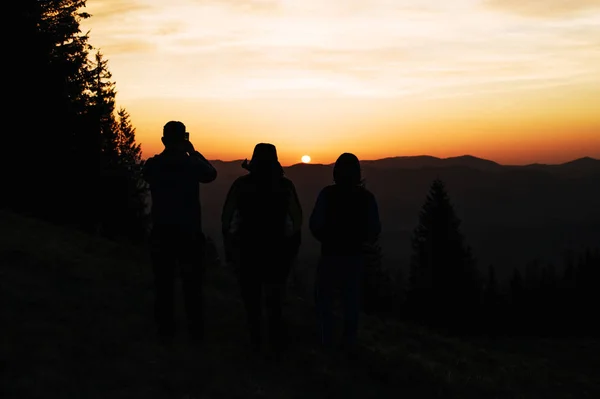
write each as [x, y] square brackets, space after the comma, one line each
[130, 152]
[102, 111]
[120, 187]
[71, 151]
[49, 64]
[102, 186]
[130, 164]
[444, 285]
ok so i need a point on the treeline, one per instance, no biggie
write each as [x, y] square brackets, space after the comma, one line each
[448, 291]
[70, 155]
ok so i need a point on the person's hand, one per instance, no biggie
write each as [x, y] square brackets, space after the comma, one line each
[245, 164]
[188, 147]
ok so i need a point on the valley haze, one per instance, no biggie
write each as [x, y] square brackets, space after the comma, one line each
[511, 214]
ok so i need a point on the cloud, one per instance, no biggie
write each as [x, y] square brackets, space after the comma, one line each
[129, 47]
[115, 9]
[243, 5]
[382, 48]
[544, 8]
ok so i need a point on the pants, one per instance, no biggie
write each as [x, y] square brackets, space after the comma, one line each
[344, 274]
[174, 250]
[264, 279]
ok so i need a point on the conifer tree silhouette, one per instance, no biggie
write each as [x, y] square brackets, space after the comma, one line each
[444, 285]
[82, 163]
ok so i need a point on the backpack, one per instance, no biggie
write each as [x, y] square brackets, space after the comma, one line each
[263, 208]
[346, 219]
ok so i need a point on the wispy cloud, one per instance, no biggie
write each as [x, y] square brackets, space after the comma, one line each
[376, 48]
[545, 8]
[243, 5]
[116, 9]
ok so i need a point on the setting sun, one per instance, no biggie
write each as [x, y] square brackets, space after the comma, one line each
[305, 158]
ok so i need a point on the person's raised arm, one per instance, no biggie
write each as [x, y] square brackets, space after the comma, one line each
[203, 169]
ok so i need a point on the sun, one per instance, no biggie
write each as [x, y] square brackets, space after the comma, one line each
[305, 158]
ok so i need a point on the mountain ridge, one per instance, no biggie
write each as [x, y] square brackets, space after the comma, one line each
[418, 161]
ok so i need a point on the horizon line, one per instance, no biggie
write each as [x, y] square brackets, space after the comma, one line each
[417, 156]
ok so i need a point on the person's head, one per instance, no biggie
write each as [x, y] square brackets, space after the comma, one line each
[346, 171]
[174, 135]
[264, 158]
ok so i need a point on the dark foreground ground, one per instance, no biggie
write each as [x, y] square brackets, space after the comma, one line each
[76, 323]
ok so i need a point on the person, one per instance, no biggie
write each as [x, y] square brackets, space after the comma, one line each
[261, 221]
[176, 239]
[344, 219]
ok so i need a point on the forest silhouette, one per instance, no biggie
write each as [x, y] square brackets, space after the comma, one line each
[71, 159]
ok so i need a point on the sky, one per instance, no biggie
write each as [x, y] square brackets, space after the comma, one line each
[515, 81]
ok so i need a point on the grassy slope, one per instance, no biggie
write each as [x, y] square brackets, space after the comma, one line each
[76, 323]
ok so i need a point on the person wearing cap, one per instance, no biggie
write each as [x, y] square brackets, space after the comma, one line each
[176, 240]
[261, 221]
[344, 220]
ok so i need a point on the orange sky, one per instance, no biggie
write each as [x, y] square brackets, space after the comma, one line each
[515, 81]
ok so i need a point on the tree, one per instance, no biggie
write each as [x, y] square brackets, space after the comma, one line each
[49, 65]
[129, 152]
[130, 163]
[76, 163]
[121, 190]
[444, 285]
[102, 111]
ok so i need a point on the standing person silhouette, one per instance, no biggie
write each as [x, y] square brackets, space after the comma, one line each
[177, 241]
[261, 223]
[344, 218]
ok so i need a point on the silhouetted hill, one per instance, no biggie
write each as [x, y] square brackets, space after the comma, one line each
[77, 323]
[426, 161]
[511, 214]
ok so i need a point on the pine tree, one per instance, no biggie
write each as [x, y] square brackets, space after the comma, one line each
[102, 111]
[106, 190]
[49, 63]
[129, 152]
[81, 166]
[130, 165]
[444, 286]
[122, 191]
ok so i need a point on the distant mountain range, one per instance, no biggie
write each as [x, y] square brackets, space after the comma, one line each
[427, 161]
[511, 214]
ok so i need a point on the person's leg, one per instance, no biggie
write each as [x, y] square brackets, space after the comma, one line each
[324, 301]
[352, 294]
[192, 278]
[251, 292]
[273, 302]
[163, 266]
[275, 284]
